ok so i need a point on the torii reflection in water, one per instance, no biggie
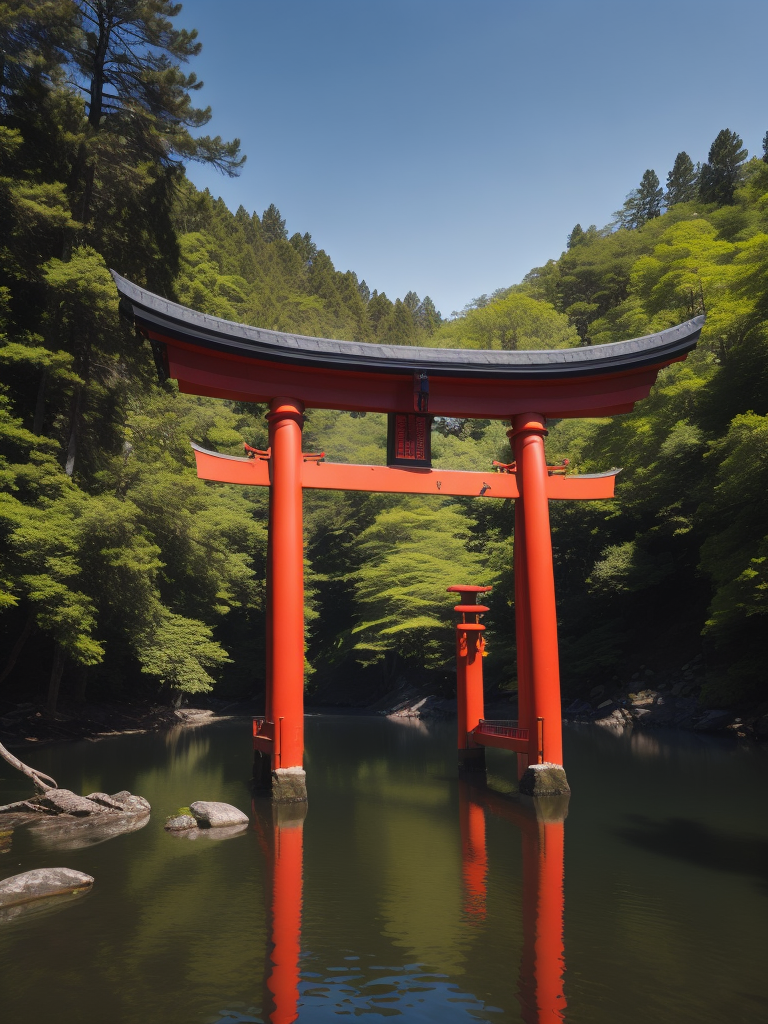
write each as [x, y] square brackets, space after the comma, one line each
[540, 821]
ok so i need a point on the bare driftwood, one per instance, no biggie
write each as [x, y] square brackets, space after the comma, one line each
[40, 779]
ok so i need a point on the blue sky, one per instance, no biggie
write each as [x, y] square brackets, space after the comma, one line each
[448, 147]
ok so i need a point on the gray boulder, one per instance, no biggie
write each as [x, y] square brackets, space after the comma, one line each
[41, 883]
[64, 801]
[211, 814]
[107, 802]
[180, 823]
[131, 803]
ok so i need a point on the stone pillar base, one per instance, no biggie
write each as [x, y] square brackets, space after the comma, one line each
[544, 780]
[289, 786]
[471, 760]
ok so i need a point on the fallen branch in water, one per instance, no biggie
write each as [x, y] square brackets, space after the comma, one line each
[32, 773]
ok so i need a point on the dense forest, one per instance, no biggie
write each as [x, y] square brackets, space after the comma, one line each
[122, 576]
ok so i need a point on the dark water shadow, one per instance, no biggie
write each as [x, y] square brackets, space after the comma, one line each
[743, 853]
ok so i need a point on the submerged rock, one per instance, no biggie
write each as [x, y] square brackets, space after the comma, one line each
[65, 832]
[224, 832]
[40, 884]
[180, 823]
[212, 814]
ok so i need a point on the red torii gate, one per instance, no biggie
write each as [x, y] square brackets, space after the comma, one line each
[218, 358]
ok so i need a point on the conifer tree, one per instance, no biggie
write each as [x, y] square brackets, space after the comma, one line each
[642, 204]
[765, 148]
[272, 224]
[576, 236]
[427, 316]
[305, 247]
[682, 181]
[720, 174]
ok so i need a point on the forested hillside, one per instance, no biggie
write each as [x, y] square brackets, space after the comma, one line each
[123, 576]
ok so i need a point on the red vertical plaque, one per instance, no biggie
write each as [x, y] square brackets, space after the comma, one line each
[408, 440]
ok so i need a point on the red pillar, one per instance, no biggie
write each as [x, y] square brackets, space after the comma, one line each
[474, 703]
[474, 856]
[287, 884]
[522, 638]
[270, 570]
[286, 618]
[541, 972]
[469, 675]
[527, 436]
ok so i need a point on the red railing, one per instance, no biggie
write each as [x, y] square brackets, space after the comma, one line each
[263, 735]
[502, 727]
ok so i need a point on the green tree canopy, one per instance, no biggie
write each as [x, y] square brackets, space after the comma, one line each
[721, 173]
[682, 181]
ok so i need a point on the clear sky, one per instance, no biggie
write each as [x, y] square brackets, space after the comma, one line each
[448, 147]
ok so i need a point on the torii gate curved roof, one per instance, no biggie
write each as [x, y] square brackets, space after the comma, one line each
[222, 359]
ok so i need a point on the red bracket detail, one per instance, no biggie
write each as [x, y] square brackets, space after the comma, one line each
[257, 453]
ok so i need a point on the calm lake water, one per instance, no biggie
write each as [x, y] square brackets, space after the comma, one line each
[415, 897]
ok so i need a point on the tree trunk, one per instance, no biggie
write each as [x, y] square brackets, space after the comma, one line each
[74, 427]
[56, 672]
[24, 635]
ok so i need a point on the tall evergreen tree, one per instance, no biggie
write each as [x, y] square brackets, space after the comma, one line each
[650, 195]
[682, 181]
[272, 224]
[577, 235]
[642, 204]
[720, 174]
[427, 316]
[765, 148]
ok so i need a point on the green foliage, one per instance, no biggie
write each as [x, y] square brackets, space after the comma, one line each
[179, 652]
[509, 322]
[721, 173]
[406, 556]
[642, 204]
[682, 181]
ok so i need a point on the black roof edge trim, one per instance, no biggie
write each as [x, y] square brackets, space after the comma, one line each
[183, 324]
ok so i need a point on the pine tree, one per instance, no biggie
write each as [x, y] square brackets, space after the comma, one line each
[720, 174]
[682, 181]
[642, 204]
[305, 247]
[272, 224]
[765, 148]
[649, 196]
[576, 236]
[427, 316]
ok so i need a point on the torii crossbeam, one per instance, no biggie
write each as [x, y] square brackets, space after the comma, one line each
[218, 358]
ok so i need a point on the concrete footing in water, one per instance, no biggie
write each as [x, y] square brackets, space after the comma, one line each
[283, 785]
[289, 786]
[544, 780]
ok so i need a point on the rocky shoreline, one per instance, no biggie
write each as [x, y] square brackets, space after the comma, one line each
[26, 726]
[646, 700]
